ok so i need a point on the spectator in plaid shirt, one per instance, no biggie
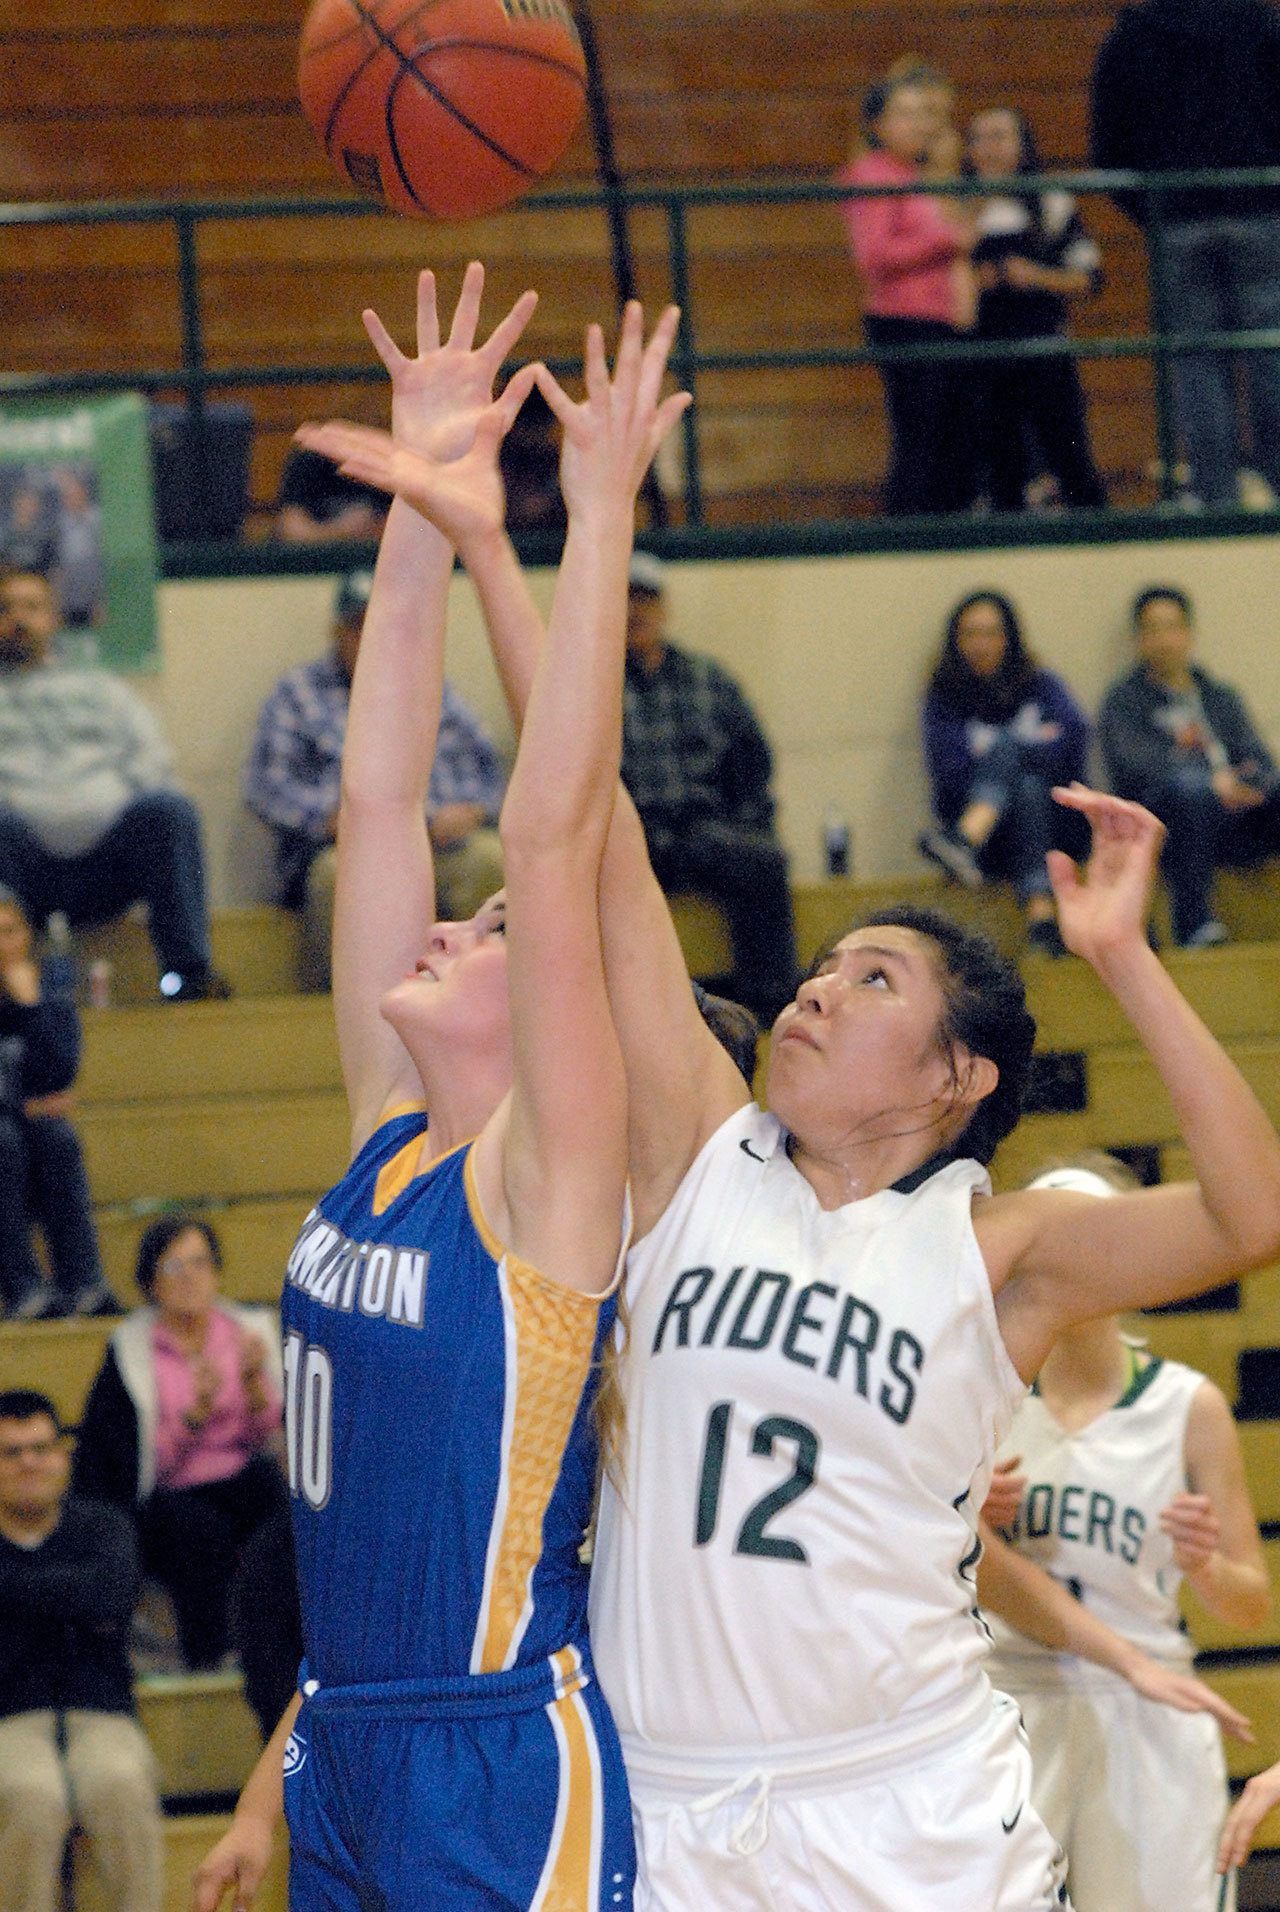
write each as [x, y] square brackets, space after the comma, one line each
[294, 771]
[698, 766]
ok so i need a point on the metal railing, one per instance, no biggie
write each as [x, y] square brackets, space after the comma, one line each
[197, 379]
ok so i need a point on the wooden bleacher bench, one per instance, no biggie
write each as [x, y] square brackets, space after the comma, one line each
[202, 1732]
[256, 948]
[187, 1837]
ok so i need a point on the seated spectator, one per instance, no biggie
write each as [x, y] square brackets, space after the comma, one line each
[1182, 743]
[316, 504]
[907, 249]
[42, 1178]
[89, 819]
[1033, 256]
[294, 773]
[999, 732]
[71, 1749]
[698, 768]
[179, 1424]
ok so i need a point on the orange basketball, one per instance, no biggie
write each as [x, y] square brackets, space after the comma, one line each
[443, 107]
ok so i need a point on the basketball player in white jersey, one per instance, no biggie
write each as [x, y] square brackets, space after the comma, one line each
[1131, 1479]
[832, 1321]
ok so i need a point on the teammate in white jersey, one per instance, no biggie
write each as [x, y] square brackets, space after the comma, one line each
[832, 1321]
[1130, 1478]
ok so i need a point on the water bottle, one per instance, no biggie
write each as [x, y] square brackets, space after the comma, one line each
[59, 970]
[836, 842]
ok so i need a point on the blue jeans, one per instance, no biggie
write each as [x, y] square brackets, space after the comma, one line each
[1027, 820]
[42, 1179]
[1224, 274]
[1201, 835]
[153, 853]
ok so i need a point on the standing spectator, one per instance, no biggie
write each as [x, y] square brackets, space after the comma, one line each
[293, 778]
[1182, 743]
[1033, 256]
[89, 819]
[906, 249]
[178, 1425]
[79, 577]
[317, 504]
[698, 768]
[1181, 85]
[42, 1175]
[71, 1749]
[999, 733]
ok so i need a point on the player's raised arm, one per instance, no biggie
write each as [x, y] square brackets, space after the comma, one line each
[385, 902]
[563, 1143]
[1057, 1257]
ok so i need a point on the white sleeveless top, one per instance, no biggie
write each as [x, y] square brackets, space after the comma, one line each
[814, 1399]
[1091, 1517]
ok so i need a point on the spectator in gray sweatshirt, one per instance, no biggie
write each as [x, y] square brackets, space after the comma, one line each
[89, 819]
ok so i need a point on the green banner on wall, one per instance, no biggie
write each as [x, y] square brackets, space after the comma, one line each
[75, 505]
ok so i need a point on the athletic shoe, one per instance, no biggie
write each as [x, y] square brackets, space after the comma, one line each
[1210, 935]
[38, 1304]
[199, 985]
[95, 1304]
[1045, 938]
[948, 849]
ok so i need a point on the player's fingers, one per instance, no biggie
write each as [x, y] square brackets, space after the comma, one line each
[595, 365]
[383, 343]
[466, 314]
[630, 352]
[554, 393]
[428, 313]
[669, 411]
[1236, 1725]
[1063, 876]
[1242, 1823]
[514, 393]
[656, 354]
[503, 337]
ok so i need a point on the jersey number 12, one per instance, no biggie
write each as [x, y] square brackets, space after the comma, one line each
[752, 1537]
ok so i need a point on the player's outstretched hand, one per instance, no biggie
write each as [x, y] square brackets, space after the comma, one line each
[1192, 1526]
[610, 437]
[1104, 910]
[1004, 1496]
[237, 1864]
[448, 382]
[1257, 1799]
[1186, 1694]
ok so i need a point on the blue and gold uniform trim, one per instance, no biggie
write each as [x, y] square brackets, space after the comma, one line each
[550, 1344]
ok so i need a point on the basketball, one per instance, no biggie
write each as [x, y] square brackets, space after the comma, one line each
[444, 108]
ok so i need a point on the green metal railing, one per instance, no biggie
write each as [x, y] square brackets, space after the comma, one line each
[198, 380]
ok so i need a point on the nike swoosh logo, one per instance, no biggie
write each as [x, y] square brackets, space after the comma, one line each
[1009, 1824]
[747, 1149]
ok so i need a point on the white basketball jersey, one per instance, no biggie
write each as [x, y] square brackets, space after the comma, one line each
[1091, 1518]
[814, 1399]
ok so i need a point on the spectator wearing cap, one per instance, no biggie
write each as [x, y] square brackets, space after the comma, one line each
[698, 768]
[293, 779]
[90, 821]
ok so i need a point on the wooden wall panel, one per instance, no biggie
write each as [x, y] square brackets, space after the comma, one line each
[196, 98]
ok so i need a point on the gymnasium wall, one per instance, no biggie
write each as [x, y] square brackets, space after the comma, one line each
[832, 652]
[196, 98]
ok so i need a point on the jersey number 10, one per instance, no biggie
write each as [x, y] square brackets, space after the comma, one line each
[308, 1419]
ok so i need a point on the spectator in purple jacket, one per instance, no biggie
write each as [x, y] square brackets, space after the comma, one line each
[999, 733]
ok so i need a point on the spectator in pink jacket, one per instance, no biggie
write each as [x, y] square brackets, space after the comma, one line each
[906, 249]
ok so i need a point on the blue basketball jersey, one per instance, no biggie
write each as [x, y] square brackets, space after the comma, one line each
[441, 1454]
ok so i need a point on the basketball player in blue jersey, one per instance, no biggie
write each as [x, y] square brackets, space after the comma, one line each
[831, 1322]
[446, 1305]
